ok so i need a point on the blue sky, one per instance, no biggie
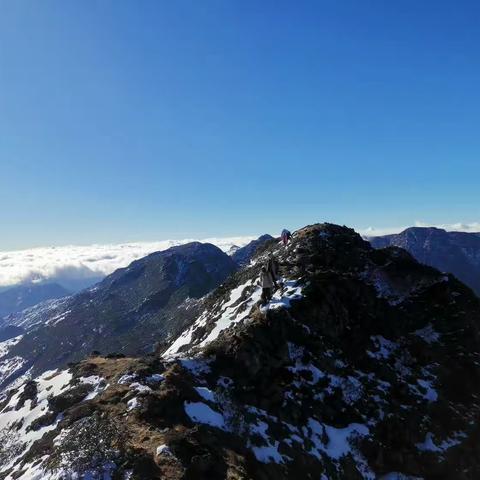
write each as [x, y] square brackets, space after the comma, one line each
[141, 120]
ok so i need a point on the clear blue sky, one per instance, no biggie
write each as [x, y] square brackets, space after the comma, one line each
[140, 120]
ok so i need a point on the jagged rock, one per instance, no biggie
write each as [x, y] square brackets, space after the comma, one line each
[242, 256]
[29, 392]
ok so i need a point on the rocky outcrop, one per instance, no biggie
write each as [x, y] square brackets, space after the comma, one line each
[365, 364]
[454, 252]
[243, 255]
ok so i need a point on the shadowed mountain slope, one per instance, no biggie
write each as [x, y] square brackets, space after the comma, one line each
[243, 255]
[128, 312]
[454, 252]
[18, 298]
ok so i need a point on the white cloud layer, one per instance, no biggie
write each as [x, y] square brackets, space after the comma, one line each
[473, 227]
[77, 263]
[376, 232]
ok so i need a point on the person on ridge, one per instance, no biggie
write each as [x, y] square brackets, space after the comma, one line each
[266, 282]
[286, 236]
[273, 268]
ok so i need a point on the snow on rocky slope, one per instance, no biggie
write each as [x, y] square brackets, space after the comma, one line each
[50, 316]
[365, 365]
[20, 297]
[242, 256]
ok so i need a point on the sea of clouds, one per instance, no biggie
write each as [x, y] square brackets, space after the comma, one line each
[77, 266]
[74, 263]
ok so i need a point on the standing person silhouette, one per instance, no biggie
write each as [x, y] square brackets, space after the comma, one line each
[273, 268]
[286, 236]
[266, 282]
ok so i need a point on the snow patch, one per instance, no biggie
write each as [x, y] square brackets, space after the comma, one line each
[49, 384]
[186, 337]
[269, 452]
[155, 378]
[206, 394]
[140, 388]
[7, 344]
[9, 366]
[164, 450]
[431, 394]
[338, 444]
[200, 412]
[428, 334]
[398, 476]
[133, 403]
[384, 348]
[99, 385]
[195, 366]
[429, 445]
[283, 298]
[126, 379]
[231, 310]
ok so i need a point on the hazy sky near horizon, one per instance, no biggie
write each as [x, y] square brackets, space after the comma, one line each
[126, 121]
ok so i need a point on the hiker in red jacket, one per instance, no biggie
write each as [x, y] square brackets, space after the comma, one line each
[286, 236]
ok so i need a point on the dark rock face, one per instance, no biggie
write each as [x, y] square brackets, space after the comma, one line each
[242, 256]
[19, 298]
[128, 312]
[454, 252]
[365, 365]
[10, 331]
[198, 267]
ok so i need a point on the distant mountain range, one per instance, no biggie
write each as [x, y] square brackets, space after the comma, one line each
[152, 299]
[242, 256]
[453, 252]
[18, 298]
[363, 365]
[129, 311]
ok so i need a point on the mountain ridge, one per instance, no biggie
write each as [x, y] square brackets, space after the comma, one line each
[21, 297]
[364, 365]
[128, 311]
[455, 252]
[244, 254]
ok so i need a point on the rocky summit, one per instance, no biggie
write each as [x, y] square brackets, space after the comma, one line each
[454, 252]
[364, 365]
[243, 255]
